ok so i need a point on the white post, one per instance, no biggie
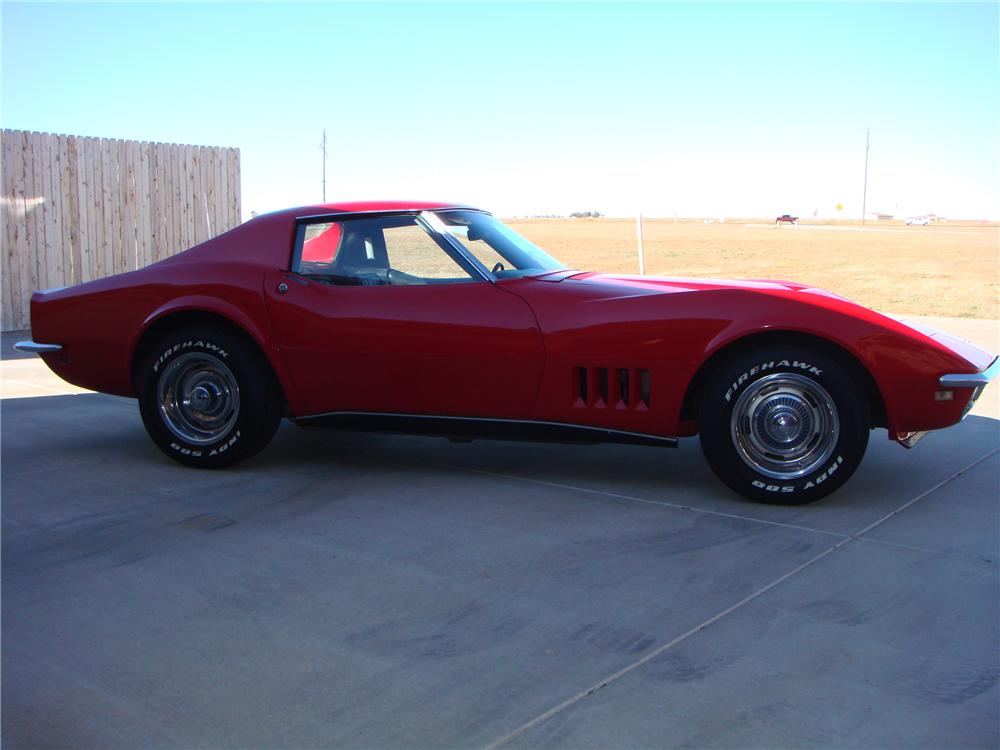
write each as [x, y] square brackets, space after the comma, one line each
[642, 258]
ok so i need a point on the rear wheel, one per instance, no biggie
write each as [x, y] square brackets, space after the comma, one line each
[208, 398]
[784, 424]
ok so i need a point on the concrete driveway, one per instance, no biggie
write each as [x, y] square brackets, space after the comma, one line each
[349, 590]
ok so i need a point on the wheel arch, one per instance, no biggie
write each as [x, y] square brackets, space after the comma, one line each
[692, 396]
[191, 313]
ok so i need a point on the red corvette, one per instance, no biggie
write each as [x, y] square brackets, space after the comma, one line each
[438, 319]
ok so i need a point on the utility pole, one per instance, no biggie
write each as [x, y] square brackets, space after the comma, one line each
[642, 254]
[322, 146]
[864, 195]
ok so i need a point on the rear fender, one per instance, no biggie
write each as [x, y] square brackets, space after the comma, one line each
[258, 330]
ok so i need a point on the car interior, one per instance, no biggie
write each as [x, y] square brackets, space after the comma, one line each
[361, 257]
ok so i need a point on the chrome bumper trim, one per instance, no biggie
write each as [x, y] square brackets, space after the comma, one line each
[971, 380]
[33, 348]
[909, 439]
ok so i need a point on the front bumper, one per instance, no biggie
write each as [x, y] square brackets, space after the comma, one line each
[977, 381]
[973, 380]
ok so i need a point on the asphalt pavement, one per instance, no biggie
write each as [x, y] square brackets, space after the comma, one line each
[369, 591]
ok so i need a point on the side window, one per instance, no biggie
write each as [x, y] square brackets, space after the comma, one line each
[414, 257]
[320, 245]
[378, 251]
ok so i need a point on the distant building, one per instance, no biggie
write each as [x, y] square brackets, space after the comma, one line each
[878, 216]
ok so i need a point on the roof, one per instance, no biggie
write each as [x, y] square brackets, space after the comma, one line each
[358, 206]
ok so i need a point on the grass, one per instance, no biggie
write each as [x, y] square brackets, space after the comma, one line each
[948, 270]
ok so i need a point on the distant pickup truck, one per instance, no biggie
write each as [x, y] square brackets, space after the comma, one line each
[787, 219]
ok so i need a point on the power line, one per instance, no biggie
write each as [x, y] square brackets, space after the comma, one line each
[322, 146]
[864, 195]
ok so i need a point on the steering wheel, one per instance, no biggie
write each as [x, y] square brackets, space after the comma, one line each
[497, 268]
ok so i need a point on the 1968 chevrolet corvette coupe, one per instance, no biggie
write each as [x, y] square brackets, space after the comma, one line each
[438, 319]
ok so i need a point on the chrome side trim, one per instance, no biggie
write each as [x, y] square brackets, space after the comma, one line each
[484, 427]
[435, 225]
[971, 380]
[339, 215]
[33, 348]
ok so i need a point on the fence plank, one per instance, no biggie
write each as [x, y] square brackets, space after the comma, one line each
[91, 187]
[9, 255]
[82, 182]
[219, 224]
[174, 204]
[223, 188]
[102, 224]
[61, 185]
[52, 214]
[197, 212]
[28, 197]
[40, 155]
[115, 205]
[191, 201]
[20, 228]
[143, 211]
[75, 218]
[233, 158]
[127, 149]
[29, 261]
[155, 207]
[205, 169]
[160, 207]
[168, 182]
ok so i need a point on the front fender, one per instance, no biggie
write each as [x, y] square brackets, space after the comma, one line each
[903, 363]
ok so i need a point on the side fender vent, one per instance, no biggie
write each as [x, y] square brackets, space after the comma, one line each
[616, 388]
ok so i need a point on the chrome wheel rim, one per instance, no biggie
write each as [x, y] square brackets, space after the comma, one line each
[785, 426]
[199, 398]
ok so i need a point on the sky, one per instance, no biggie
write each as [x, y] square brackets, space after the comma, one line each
[713, 110]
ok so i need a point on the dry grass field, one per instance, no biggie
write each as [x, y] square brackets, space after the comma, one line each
[944, 269]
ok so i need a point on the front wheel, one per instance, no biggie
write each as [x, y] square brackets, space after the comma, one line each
[784, 424]
[208, 398]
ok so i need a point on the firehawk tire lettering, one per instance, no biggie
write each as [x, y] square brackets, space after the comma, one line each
[765, 440]
[764, 366]
[208, 398]
[186, 345]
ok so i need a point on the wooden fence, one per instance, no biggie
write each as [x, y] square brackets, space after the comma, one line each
[76, 209]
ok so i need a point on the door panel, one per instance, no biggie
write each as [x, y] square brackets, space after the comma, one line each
[460, 349]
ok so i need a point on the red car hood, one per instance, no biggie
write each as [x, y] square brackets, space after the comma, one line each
[644, 285]
[664, 284]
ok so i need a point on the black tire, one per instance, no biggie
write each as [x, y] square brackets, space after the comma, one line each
[208, 397]
[784, 424]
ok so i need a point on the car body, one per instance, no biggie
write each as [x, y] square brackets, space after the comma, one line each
[436, 318]
[921, 221]
[787, 219]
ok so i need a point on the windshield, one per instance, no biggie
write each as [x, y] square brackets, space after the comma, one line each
[502, 250]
